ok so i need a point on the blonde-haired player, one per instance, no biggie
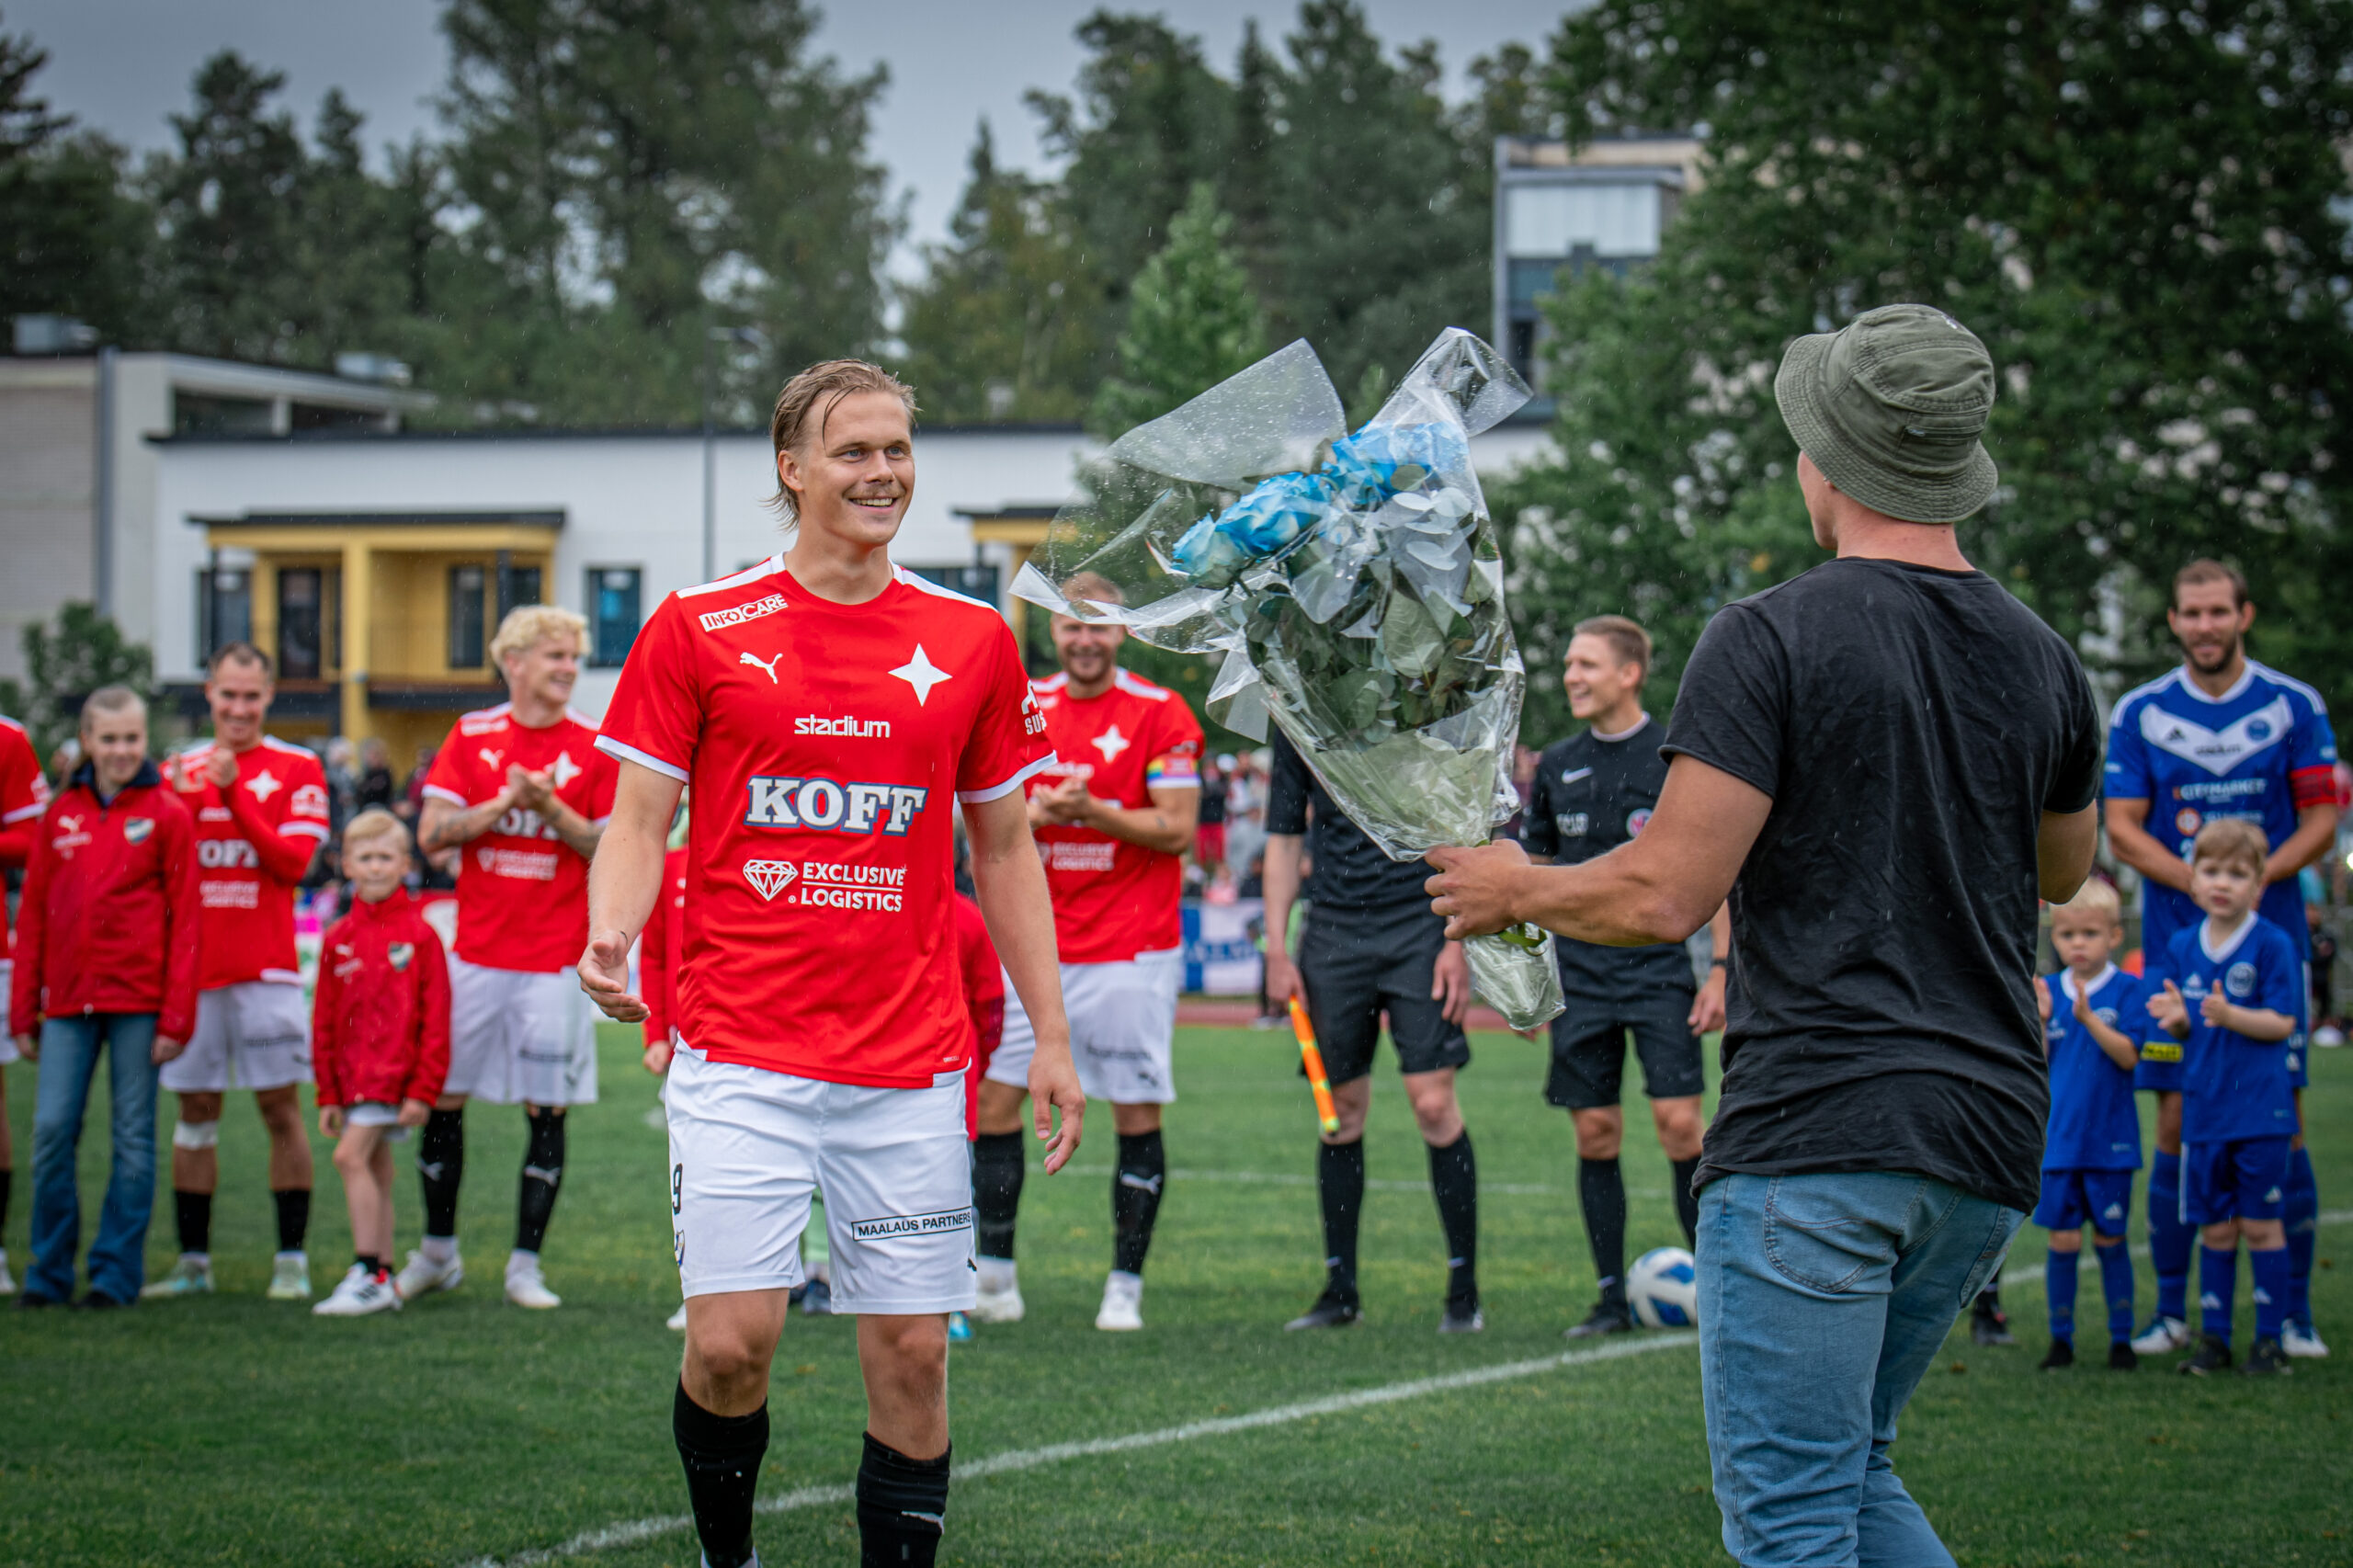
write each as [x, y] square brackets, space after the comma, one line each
[522, 788]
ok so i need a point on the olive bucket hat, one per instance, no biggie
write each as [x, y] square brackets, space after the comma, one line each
[1890, 407]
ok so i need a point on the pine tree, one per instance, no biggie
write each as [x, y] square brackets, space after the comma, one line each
[1192, 322]
[71, 241]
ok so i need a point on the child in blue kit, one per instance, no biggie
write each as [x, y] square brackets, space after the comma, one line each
[2231, 995]
[2094, 1015]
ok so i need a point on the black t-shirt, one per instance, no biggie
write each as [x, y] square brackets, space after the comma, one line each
[1213, 808]
[1912, 726]
[1378, 896]
[1590, 795]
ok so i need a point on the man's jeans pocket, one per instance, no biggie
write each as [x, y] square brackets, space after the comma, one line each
[1818, 1235]
[1997, 1247]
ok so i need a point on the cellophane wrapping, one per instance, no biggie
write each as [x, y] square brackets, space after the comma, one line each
[1352, 584]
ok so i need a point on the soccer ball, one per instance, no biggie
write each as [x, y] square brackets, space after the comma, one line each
[1663, 1288]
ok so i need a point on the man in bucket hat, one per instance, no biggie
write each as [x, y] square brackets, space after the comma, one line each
[1883, 762]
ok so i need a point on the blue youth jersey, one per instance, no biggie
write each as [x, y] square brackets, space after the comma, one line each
[2094, 1124]
[2234, 1087]
[2260, 751]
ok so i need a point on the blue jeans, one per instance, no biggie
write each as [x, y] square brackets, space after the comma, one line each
[69, 1060]
[1823, 1298]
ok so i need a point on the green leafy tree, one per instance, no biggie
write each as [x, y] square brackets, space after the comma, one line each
[71, 239]
[2078, 185]
[64, 665]
[1192, 322]
[1002, 325]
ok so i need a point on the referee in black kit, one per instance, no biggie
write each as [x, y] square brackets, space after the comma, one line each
[1371, 945]
[1593, 793]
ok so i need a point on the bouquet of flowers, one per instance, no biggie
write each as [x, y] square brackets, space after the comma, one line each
[1352, 584]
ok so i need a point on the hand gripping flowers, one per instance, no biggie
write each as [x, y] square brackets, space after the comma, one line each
[1353, 584]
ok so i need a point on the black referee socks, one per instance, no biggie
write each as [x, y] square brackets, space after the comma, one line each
[998, 1166]
[441, 1161]
[543, 1179]
[902, 1507]
[722, 1456]
[1454, 1181]
[1135, 1197]
[1339, 1188]
[1601, 1193]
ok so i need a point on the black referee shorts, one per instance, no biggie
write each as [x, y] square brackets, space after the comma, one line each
[1358, 967]
[1589, 1050]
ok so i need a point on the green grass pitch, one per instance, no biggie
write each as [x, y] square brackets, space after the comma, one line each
[235, 1430]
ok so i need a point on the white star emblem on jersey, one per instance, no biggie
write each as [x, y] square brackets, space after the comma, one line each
[922, 674]
[565, 770]
[1110, 743]
[264, 785]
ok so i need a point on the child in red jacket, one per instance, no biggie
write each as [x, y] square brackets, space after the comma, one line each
[379, 1045]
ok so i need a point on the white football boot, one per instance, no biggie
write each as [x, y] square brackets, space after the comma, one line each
[526, 1286]
[7, 1280]
[2302, 1342]
[191, 1276]
[422, 1275]
[999, 1296]
[358, 1293]
[2163, 1334]
[1122, 1309]
[289, 1276]
[678, 1324]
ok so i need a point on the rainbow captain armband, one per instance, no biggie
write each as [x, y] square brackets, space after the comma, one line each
[1175, 771]
[2160, 1050]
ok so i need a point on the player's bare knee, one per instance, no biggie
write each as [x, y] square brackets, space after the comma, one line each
[1601, 1132]
[1134, 1121]
[196, 1109]
[281, 1112]
[2100, 1241]
[2070, 1241]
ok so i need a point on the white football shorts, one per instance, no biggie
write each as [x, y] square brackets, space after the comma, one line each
[750, 1147]
[1123, 1029]
[517, 1038]
[253, 1035]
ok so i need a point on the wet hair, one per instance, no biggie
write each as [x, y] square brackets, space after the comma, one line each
[808, 400]
[2204, 569]
[1630, 642]
[2232, 840]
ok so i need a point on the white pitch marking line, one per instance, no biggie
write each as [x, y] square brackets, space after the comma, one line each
[634, 1531]
[1289, 1178]
[2032, 1273]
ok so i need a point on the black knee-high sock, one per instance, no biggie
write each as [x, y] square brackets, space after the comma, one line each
[722, 1456]
[1454, 1180]
[6, 1173]
[293, 1216]
[1687, 1201]
[1135, 1197]
[1339, 1187]
[192, 1213]
[1601, 1193]
[543, 1179]
[441, 1161]
[902, 1507]
[998, 1166]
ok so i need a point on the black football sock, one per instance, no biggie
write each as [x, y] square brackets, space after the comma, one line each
[722, 1456]
[441, 1163]
[1135, 1197]
[1686, 1201]
[998, 1167]
[543, 1179]
[902, 1507]
[193, 1212]
[293, 1217]
[6, 1174]
[1339, 1187]
[1601, 1193]
[368, 1261]
[1454, 1180]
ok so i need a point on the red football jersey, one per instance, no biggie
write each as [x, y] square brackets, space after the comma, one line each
[826, 746]
[1113, 899]
[24, 795]
[522, 891]
[253, 843]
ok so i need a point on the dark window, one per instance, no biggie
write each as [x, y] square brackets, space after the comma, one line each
[465, 616]
[517, 585]
[225, 608]
[193, 413]
[301, 622]
[613, 612]
[321, 416]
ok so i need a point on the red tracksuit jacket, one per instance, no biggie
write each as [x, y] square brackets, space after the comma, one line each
[108, 921]
[380, 1022]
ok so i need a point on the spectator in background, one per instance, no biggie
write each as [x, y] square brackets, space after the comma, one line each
[1209, 828]
[106, 959]
[412, 802]
[343, 783]
[1245, 807]
[64, 761]
[2327, 1029]
[375, 782]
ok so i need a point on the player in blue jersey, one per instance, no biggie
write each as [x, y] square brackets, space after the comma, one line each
[2233, 989]
[2096, 1014]
[2219, 737]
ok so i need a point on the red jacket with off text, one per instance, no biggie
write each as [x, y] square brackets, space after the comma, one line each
[108, 923]
[379, 1023]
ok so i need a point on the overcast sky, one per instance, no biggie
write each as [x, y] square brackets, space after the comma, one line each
[122, 65]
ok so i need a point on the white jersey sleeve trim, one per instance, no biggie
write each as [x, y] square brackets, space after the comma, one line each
[282, 976]
[309, 829]
[749, 575]
[21, 812]
[2309, 694]
[996, 791]
[612, 747]
[436, 793]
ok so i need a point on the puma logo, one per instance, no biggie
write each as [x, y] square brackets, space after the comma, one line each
[767, 666]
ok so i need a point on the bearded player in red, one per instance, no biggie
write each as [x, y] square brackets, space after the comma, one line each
[260, 806]
[830, 713]
[1113, 816]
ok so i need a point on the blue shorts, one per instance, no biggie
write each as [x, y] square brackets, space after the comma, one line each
[2072, 1199]
[2245, 1178]
[2159, 1067]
